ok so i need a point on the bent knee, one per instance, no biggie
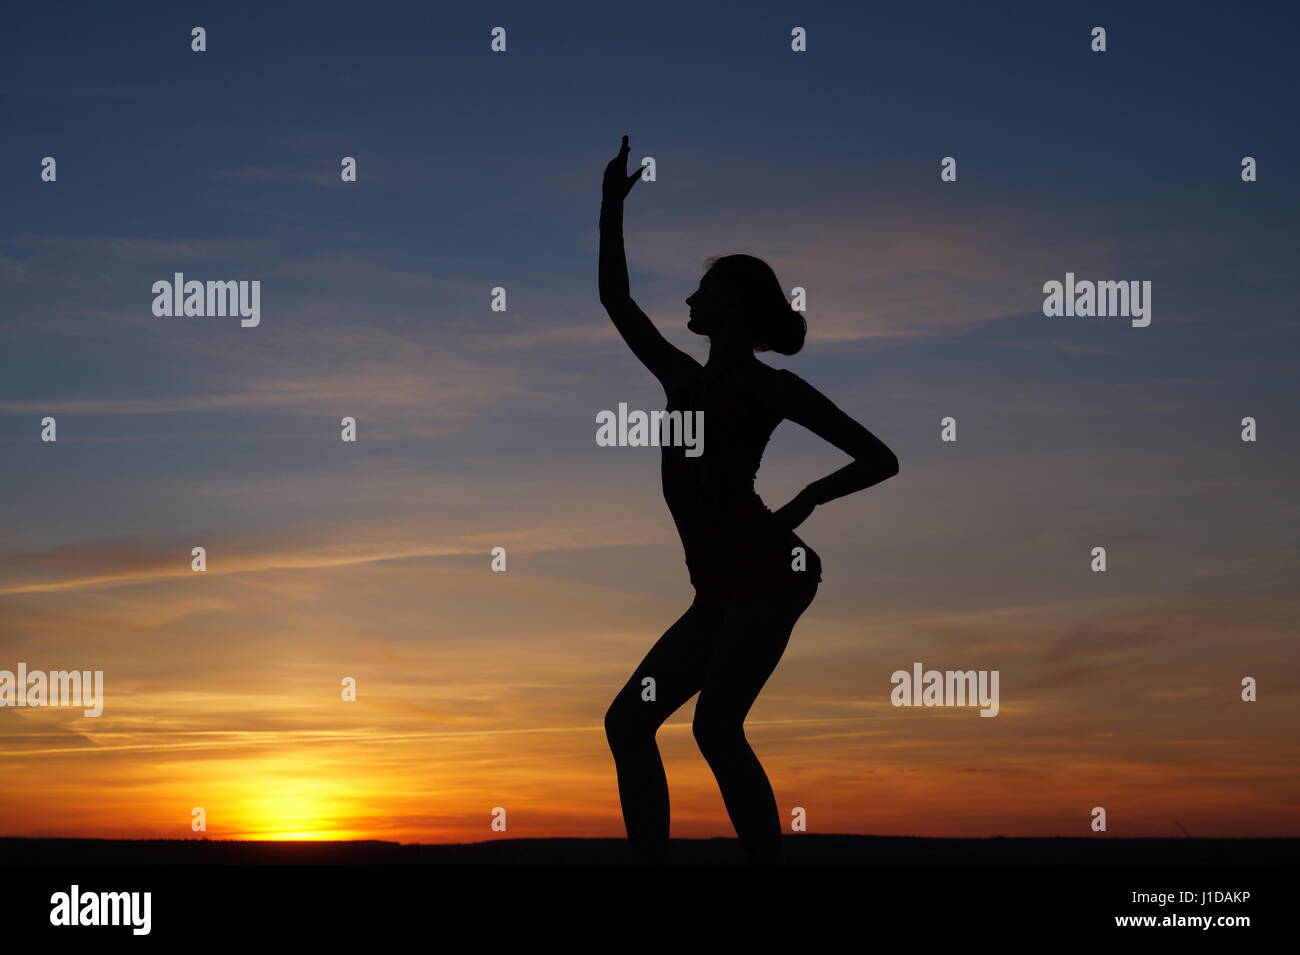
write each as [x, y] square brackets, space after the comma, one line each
[713, 733]
[623, 724]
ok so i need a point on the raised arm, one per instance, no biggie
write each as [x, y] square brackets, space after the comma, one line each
[872, 462]
[653, 350]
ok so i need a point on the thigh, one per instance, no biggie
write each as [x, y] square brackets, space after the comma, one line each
[676, 663]
[749, 645]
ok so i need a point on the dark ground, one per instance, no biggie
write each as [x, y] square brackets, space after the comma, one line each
[807, 849]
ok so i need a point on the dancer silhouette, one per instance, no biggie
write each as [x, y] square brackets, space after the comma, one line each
[752, 575]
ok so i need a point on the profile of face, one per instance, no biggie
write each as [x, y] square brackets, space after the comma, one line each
[714, 308]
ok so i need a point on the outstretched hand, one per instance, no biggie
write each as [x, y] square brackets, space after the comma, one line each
[617, 182]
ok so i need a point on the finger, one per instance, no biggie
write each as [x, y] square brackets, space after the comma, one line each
[624, 148]
[635, 176]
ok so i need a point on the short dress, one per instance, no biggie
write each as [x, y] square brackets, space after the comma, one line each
[712, 498]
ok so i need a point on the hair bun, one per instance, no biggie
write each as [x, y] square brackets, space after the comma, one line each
[783, 331]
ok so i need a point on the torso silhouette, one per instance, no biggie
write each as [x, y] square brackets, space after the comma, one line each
[712, 496]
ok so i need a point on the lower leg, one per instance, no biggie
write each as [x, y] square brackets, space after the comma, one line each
[747, 794]
[643, 793]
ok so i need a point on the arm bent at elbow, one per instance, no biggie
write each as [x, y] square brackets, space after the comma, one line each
[873, 461]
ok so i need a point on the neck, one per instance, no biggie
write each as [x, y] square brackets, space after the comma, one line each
[727, 351]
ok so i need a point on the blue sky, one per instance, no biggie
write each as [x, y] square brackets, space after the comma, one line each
[477, 427]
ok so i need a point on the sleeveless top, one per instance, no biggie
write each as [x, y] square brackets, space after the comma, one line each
[712, 497]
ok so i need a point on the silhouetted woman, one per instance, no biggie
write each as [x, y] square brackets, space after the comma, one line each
[752, 576]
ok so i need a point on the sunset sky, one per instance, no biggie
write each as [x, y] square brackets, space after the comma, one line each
[477, 428]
